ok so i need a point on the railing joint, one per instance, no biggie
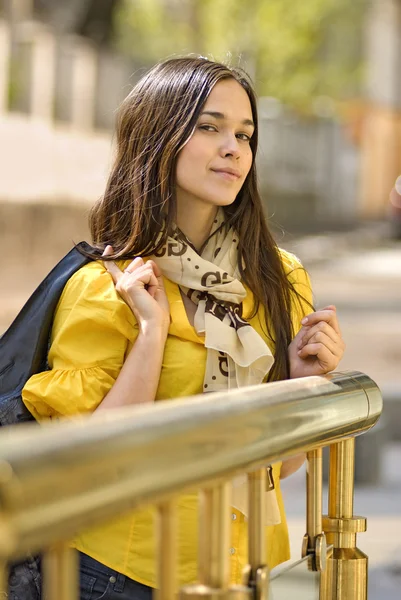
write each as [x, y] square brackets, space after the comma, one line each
[255, 582]
[316, 551]
[344, 525]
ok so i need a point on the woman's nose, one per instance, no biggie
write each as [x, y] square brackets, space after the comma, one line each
[230, 147]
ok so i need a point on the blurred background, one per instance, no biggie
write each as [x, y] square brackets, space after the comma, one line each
[328, 76]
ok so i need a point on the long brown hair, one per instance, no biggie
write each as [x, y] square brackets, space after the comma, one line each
[154, 122]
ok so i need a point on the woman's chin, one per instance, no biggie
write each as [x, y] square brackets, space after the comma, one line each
[221, 200]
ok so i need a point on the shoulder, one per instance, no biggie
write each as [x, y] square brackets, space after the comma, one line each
[92, 291]
[289, 261]
[87, 274]
[89, 282]
[297, 276]
[92, 278]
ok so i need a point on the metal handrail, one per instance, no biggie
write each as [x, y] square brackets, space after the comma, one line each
[61, 477]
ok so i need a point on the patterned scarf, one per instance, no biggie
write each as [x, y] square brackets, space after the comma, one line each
[236, 354]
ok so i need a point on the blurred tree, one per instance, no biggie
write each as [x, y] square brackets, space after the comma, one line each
[295, 51]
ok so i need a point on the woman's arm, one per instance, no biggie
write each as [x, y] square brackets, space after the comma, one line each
[93, 333]
[139, 377]
[141, 287]
[291, 465]
[316, 349]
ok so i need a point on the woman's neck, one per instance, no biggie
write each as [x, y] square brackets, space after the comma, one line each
[196, 222]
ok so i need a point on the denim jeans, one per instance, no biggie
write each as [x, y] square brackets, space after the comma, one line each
[98, 582]
[24, 581]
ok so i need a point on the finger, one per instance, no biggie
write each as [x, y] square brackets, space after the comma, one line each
[137, 274]
[143, 275]
[158, 273]
[152, 283]
[326, 358]
[321, 338]
[111, 266]
[137, 262]
[156, 269]
[322, 326]
[329, 315]
[297, 339]
[108, 251]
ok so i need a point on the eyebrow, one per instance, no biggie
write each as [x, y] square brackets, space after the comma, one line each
[221, 116]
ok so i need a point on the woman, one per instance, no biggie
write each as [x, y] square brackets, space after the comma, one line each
[192, 295]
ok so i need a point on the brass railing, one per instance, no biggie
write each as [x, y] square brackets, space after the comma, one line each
[62, 477]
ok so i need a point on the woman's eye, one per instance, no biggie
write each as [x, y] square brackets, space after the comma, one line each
[208, 127]
[241, 136]
[244, 136]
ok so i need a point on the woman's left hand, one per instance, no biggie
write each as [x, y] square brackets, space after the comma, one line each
[318, 347]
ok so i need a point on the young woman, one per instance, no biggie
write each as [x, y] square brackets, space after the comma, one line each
[190, 294]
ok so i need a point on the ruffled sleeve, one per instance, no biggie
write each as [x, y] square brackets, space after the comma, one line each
[302, 297]
[92, 332]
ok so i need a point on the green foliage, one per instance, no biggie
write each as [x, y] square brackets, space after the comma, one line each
[295, 51]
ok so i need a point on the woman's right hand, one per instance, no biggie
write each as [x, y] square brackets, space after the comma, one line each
[141, 286]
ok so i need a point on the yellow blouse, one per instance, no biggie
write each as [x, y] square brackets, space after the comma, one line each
[92, 333]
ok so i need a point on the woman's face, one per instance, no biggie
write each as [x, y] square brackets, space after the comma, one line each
[213, 165]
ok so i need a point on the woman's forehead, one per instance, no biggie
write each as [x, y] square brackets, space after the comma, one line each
[229, 98]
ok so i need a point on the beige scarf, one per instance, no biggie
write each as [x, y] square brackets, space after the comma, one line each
[236, 354]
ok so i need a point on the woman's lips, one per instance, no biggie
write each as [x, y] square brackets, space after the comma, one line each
[227, 175]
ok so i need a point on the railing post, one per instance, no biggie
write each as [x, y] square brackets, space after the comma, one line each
[314, 542]
[345, 577]
[167, 549]
[60, 573]
[3, 581]
[214, 536]
[258, 569]
[214, 541]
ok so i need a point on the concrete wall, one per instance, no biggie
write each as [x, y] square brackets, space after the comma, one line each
[50, 175]
[33, 237]
[46, 162]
